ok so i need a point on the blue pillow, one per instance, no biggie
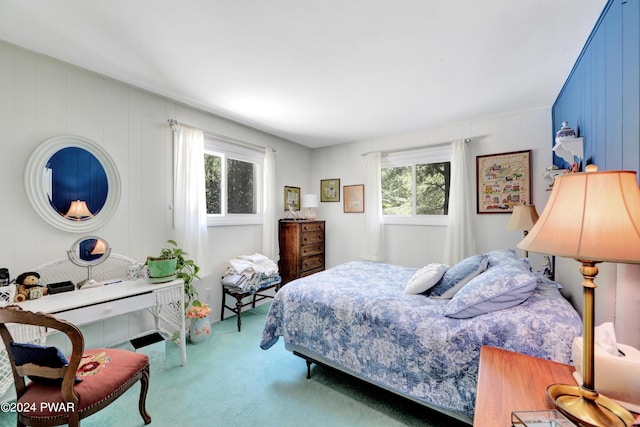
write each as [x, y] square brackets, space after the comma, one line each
[458, 275]
[501, 255]
[496, 289]
[50, 357]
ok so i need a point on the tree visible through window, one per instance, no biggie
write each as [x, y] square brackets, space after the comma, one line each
[417, 189]
[432, 188]
[240, 187]
[213, 183]
[231, 179]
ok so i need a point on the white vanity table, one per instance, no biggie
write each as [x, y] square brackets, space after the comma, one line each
[164, 300]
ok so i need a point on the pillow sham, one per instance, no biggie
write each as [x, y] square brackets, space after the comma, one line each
[425, 278]
[458, 275]
[496, 289]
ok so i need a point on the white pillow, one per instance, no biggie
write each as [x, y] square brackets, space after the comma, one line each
[425, 278]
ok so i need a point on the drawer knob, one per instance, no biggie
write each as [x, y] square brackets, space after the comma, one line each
[107, 309]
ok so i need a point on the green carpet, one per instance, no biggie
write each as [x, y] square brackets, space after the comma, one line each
[230, 381]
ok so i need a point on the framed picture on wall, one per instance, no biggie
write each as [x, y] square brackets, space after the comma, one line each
[292, 198]
[330, 190]
[503, 180]
[353, 198]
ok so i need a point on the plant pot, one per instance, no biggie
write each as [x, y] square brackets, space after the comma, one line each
[199, 330]
[160, 269]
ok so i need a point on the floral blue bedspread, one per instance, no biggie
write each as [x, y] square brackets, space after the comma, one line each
[358, 317]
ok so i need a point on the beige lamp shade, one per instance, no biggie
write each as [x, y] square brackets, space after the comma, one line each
[78, 210]
[523, 217]
[590, 216]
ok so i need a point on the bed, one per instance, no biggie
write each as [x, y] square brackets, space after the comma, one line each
[425, 346]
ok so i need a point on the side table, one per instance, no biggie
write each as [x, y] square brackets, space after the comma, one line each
[509, 381]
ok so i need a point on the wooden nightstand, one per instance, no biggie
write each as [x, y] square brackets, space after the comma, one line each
[509, 381]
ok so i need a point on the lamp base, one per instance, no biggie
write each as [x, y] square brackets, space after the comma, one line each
[588, 408]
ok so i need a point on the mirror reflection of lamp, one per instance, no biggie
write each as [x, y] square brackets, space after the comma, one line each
[100, 248]
[78, 211]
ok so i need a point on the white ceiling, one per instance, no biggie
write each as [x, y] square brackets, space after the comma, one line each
[320, 72]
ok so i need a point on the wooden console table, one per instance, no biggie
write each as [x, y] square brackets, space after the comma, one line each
[509, 381]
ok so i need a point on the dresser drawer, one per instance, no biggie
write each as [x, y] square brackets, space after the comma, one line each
[313, 237]
[93, 313]
[312, 262]
[312, 249]
[315, 226]
[310, 272]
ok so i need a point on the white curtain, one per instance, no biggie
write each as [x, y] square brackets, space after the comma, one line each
[269, 221]
[190, 210]
[373, 242]
[459, 243]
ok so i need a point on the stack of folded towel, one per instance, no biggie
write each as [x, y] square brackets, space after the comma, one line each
[248, 273]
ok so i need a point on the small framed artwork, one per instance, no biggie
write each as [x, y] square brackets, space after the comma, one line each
[353, 198]
[503, 180]
[330, 190]
[292, 198]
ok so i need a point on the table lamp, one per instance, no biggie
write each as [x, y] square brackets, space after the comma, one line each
[310, 201]
[523, 218]
[592, 217]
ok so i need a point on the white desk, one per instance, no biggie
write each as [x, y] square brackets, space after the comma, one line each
[164, 300]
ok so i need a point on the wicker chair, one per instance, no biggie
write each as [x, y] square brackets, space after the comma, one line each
[87, 383]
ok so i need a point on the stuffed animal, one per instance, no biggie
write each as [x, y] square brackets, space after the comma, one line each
[28, 288]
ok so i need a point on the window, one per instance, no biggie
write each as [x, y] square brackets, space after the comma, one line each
[415, 186]
[233, 177]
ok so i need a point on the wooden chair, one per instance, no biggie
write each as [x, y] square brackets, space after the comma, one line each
[90, 380]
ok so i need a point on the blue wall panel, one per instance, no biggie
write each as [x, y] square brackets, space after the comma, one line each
[631, 85]
[601, 97]
[612, 148]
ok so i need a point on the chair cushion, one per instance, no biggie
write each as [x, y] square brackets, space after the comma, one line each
[103, 371]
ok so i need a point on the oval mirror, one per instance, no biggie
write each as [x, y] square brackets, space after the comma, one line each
[72, 183]
[88, 252]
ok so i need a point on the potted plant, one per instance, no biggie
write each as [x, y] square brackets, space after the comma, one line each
[162, 268]
[200, 327]
[183, 268]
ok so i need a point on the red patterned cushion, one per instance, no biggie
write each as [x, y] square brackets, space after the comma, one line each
[102, 370]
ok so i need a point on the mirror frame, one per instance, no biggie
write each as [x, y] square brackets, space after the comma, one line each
[38, 196]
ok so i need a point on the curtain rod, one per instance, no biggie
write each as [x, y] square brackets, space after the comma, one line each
[400, 150]
[173, 123]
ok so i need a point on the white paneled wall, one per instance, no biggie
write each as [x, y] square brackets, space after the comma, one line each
[419, 245]
[41, 97]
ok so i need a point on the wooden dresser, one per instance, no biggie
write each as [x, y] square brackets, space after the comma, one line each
[301, 248]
